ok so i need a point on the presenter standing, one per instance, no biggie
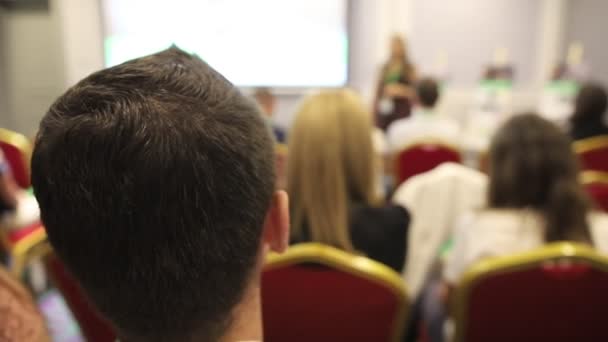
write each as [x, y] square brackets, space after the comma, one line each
[394, 92]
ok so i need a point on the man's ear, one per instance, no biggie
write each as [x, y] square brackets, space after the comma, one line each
[276, 224]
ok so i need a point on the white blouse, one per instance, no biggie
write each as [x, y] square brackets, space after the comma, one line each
[502, 232]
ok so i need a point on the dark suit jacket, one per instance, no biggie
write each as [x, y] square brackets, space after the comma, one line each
[379, 233]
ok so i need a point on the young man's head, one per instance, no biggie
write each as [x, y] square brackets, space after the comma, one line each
[156, 185]
[428, 92]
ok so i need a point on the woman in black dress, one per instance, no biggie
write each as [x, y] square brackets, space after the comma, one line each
[394, 92]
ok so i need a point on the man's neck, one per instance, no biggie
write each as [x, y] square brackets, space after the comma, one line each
[246, 318]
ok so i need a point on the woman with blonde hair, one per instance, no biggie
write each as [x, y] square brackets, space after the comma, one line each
[332, 181]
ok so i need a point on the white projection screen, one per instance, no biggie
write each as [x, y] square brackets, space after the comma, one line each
[275, 43]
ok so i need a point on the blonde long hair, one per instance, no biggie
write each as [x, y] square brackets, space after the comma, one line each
[331, 164]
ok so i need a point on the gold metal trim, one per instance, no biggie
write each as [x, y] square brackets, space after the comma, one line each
[519, 262]
[21, 142]
[589, 177]
[280, 148]
[21, 250]
[590, 144]
[429, 141]
[353, 264]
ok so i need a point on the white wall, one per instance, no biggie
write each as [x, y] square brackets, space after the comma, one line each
[4, 117]
[586, 23]
[32, 65]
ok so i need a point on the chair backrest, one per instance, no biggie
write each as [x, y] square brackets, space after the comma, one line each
[555, 293]
[17, 150]
[593, 153]
[318, 293]
[596, 184]
[423, 156]
[94, 327]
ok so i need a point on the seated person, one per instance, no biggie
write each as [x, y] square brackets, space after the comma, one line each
[424, 122]
[8, 187]
[20, 320]
[534, 198]
[155, 180]
[18, 208]
[332, 181]
[589, 118]
[266, 101]
[435, 199]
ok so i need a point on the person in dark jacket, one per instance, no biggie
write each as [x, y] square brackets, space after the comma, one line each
[332, 181]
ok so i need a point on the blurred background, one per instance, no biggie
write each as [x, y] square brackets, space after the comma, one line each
[295, 46]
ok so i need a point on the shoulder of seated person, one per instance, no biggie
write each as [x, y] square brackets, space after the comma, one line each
[390, 212]
[598, 218]
[504, 215]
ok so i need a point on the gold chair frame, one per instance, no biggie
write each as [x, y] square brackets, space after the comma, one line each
[590, 144]
[352, 264]
[422, 142]
[499, 265]
[21, 142]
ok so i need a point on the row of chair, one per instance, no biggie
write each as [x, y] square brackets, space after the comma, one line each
[318, 293]
[425, 155]
[343, 296]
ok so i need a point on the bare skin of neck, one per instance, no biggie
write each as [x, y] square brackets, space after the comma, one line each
[247, 318]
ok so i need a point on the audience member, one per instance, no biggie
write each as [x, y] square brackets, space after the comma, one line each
[393, 91]
[266, 101]
[424, 122]
[435, 200]
[8, 187]
[534, 197]
[18, 208]
[19, 318]
[332, 181]
[589, 118]
[155, 181]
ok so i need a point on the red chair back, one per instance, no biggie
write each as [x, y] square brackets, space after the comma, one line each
[94, 327]
[556, 293]
[17, 150]
[318, 293]
[593, 153]
[596, 184]
[422, 157]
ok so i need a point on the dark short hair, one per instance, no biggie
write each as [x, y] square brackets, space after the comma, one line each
[590, 105]
[428, 92]
[154, 178]
[532, 166]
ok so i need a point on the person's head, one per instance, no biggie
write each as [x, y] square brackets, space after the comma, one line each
[155, 182]
[331, 164]
[427, 91]
[265, 100]
[591, 103]
[398, 48]
[532, 166]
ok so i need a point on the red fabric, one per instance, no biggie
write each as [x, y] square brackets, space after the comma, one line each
[315, 303]
[547, 303]
[94, 327]
[19, 166]
[599, 193]
[15, 236]
[422, 158]
[596, 159]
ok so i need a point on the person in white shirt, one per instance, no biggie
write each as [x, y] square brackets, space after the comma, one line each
[424, 122]
[534, 197]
